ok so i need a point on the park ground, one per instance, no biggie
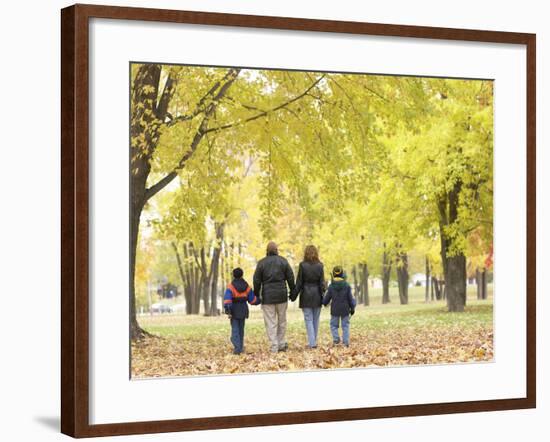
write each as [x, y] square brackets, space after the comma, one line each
[381, 335]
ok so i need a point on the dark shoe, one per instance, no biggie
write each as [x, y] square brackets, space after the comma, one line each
[236, 352]
[335, 342]
[284, 347]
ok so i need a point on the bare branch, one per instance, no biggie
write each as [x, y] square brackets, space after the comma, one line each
[266, 112]
[231, 76]
[201, 104]
[372, 91]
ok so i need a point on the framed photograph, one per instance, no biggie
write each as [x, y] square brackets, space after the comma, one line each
[272, 220]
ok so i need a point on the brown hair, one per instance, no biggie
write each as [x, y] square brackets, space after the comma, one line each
[311, 254]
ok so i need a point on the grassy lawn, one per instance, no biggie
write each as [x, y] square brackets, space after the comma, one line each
[381, 335]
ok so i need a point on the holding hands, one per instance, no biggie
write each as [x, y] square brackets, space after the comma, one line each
[227, 311]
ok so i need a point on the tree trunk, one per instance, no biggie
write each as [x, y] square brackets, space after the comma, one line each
[435, 284]
[200, 290]
[188, 280]
[205, 283]
[386, 272]
[136, 332]
[184, 279]
[478, 284]
[227, 270]
[484, 283]
[232, 256]
[356, 286]
[214, 271]
[455, 283]
[454, 266]
[214, 311]
[365, 283]
[427, 294]
[197, 290]
[222, 267]
[403, 278]
[137, 200]
[196, 275]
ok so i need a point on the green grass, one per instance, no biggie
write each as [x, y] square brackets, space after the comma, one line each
[417, 314]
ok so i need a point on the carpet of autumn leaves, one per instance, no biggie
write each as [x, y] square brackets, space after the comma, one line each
[380, 336]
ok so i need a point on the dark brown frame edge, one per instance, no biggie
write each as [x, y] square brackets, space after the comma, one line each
[74, 219]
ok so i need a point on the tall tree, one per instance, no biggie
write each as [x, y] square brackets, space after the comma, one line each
[402, 270]
[150, 115]
[173, 110]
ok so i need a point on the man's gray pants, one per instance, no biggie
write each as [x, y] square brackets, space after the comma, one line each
[275, 324]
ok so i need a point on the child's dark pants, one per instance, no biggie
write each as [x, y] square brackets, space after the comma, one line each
[237, 334]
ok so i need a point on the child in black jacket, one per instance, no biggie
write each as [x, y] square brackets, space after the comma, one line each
[235, 300]
[343, 305]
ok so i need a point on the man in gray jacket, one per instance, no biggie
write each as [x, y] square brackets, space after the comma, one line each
[273, 274]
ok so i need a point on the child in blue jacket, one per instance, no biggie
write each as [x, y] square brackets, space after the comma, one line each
[235, 300]
[343, 305]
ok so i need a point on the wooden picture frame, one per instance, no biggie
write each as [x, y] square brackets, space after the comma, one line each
[75, 376]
